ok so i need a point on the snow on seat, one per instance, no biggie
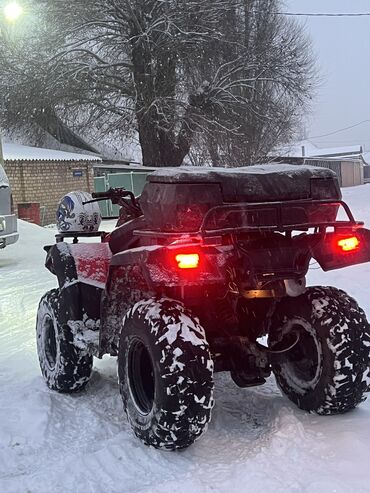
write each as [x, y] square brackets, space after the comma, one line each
[176, 199]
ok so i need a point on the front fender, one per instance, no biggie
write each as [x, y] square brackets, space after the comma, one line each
[81, 270]
[87, 263]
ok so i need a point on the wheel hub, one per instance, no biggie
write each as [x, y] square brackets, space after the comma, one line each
[300, 364]
[141, 376]
[50, 343]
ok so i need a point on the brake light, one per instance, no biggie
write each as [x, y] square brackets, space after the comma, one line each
[349, 244]
[187, 260]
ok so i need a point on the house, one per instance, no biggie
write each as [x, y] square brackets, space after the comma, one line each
[347, 161]
[41, 177]
[54, 134]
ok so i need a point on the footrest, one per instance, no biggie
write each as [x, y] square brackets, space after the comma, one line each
[244, 379]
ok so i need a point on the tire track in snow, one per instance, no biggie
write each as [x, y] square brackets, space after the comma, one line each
[79, 434]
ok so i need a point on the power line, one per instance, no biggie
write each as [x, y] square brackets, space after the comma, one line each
[339, 130]
[324, 14]
[351, 142]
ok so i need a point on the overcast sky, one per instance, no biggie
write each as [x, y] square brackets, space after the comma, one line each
[342, 46]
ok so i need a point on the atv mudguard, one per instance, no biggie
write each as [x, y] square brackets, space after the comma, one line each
[126, 286]
[159, 269]
[149, 271]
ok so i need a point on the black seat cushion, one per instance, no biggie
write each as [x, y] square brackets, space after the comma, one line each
[122, 238]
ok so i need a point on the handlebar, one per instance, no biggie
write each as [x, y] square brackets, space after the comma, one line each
[115, 195]
[99, 195]
[119, 197]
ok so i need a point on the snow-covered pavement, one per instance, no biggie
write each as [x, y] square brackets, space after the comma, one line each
[257, 441]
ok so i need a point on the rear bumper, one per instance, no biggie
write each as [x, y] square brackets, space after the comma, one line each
[8, 230]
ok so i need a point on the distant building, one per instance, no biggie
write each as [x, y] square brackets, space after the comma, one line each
[56, 135]
[347, 161]
[41, 177]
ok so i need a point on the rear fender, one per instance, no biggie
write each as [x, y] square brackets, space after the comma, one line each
[160, 269]
[146, 272]
[330, 255]
[125, 287]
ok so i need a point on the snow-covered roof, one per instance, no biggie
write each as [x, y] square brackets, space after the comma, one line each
[17, 152]
[305, 148]
[366, 156]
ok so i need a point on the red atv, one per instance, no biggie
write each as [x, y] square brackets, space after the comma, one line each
[201, 266]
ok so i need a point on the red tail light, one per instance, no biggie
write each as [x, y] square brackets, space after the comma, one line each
[187, 260]
[348, 244]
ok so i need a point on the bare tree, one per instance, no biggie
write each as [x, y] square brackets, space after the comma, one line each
[263, 83]
[228, 76]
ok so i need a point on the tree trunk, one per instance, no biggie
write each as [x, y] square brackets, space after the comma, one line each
[158, 148]
[155, 83]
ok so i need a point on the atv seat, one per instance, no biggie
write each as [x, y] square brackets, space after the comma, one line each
[122, 238]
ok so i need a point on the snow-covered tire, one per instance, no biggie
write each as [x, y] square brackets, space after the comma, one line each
[165, 374]
[327, 370]
[64, 367]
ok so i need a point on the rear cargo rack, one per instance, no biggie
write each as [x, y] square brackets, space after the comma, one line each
[264, 216]
[277, 211]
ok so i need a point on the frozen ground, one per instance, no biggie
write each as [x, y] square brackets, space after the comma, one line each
[257, 441]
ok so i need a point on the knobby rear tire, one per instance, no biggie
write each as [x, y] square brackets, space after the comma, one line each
[327, 372]
[165, 374]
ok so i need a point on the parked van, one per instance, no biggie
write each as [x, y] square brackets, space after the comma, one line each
[8, 220]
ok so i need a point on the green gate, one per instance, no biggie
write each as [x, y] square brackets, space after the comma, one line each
[130, 180]
[101, 186]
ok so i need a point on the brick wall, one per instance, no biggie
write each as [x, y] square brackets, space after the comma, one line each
[47, 182]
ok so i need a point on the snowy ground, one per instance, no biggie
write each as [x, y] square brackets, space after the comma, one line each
[257, 440]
